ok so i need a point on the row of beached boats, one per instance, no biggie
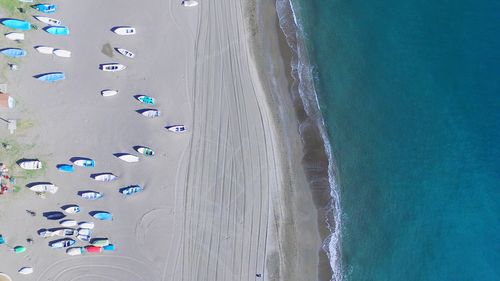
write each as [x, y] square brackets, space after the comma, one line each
[17, 52]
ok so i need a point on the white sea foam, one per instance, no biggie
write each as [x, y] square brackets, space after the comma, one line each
[302, 72]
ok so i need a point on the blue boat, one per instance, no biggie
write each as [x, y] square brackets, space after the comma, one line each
[104, 216]
[109, 247]
[57, 30]
[13, 52]
[65, 168]
[129, 190]
[45, 8]
[51, 77]
[17, 24]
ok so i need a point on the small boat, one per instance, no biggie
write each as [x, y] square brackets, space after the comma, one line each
[129, 190]
[128, 158]
[52, 77]
[25, 270]
[72, 209]
[93, 249]
[146, 151]
[177, 128]
[62, 243]
[189, 3]
[44, 233]
[31, 164]
[75, 251]
[62, 53]
[100, 242]
[112, 67]
[109, 247]
[44, 50]
[91, 195]
[19, 249]
[47, 20]
[65, 232]
[124, 30]
[14, 36]
[146, 99]
[86, 225]
[125, 52]
[151, 113]
[68, 223]
[57, 30]
[17, 24]
[44, 187]
[85, 231]
[66, 168]
[109, 93]
[13, 52]
[85, 238]
[54, 216]
[45, 8]
[84, 162]
[105, 177]
[103, 216]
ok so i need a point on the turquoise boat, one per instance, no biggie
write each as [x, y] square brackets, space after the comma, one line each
[146, 99]
[17, 24]
[103, 216]
[13, 52]
[45, 8]
[51, 77]
[57, 30]
[65, 168]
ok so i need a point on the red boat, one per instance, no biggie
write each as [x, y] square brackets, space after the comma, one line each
[93, 249]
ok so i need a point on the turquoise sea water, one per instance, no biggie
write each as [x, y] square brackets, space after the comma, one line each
[410, 94]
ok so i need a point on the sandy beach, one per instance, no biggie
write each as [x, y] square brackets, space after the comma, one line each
[226, 200]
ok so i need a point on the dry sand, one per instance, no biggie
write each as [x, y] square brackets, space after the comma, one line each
[213, 205]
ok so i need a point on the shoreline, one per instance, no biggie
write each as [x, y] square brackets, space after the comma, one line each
[306, 145]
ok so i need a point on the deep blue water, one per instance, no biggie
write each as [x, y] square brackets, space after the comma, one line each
[410, 93]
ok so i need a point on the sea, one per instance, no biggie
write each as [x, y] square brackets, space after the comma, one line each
[409, 99]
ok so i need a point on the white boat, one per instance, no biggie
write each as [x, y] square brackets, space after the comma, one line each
[31, 164]
[85, 231]
[125, 53]
[146, 151]
[73, 209]
[62, 53]
[112, 67]
[177, 128]
[75, 251]
[44, 187]
[46, 233]
[109, 93]
[15, 36]
[124, 30]
[45, 50]
[47, 20]
[68, 223]
[189, 3]
[62, 243]
[129, 158]
[65, 232]
[91, 195]
[25, 270]
[86, 225]
[84, 162]
[151, 113]
[105, 177]
[85, 238]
